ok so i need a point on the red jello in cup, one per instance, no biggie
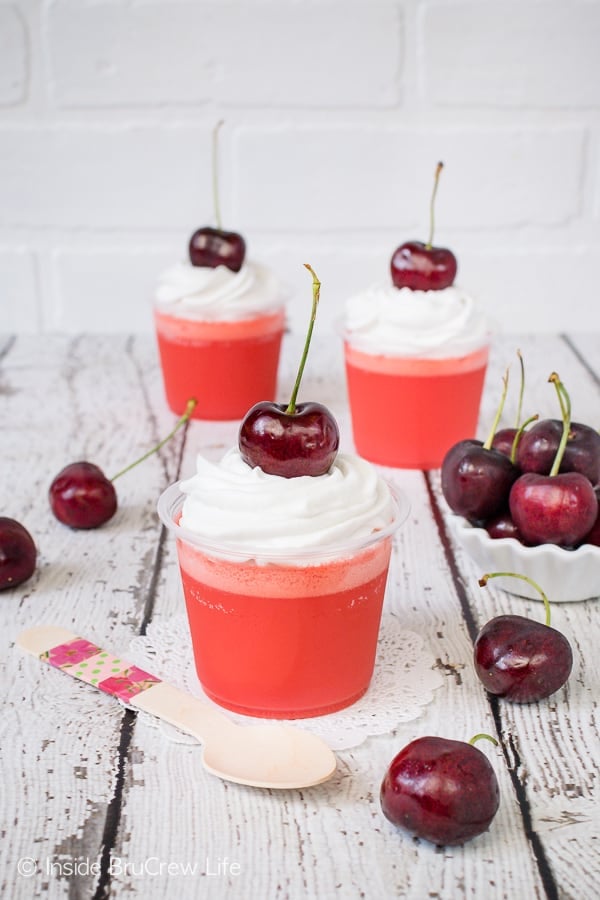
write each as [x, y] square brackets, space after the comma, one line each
[227, 366]
[415, 367]
[407, 412]
[219, 336]
[286, 633]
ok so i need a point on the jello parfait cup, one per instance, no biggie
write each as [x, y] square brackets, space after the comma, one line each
[219, 335]
[406, 412]
[227, 366]
[283, 634]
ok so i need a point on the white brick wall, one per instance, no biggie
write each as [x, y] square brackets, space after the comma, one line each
[358, 177]
[539, 55]
[13, 57]
[286, 53]
[336, 112]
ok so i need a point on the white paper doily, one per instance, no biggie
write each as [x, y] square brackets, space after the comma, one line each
[403, 682]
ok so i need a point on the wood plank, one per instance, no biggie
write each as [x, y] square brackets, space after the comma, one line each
[67, 399]
[84, 778]
[552, 748]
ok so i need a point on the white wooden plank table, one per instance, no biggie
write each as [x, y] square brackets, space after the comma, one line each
[98, 804]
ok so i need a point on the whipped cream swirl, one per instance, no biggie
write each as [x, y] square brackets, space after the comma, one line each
[388, 321]
[243, 508]
[198, 292]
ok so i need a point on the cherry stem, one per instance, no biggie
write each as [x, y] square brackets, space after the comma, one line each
[482, 735]
[521, 389]
[438, 170]
[519, 435]
[190, 406]
[490, 437]
[215, 173]
[291, 407]
[565, 409]
[484, 580]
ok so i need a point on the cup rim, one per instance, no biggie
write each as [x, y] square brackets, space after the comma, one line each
[171, 501]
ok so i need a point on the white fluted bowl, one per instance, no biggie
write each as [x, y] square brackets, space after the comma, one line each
[566, 576]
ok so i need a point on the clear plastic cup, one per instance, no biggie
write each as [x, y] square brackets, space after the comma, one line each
[286, 634]
[226, 366]
[406, 412]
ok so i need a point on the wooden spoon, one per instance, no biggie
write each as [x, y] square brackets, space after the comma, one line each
[269, 755]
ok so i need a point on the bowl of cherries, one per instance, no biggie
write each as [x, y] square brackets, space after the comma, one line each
[528, 500]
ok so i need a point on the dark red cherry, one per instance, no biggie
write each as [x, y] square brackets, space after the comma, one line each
[423, 267]
[503, 440]
[289, 444]
[519, 659]
[441, 790]
[212, 247]
[553, 509]
[81, 496]
[18, 553]
[560, 507]
[476, 481]
[538, 446]
[293, 440]
[593, 536]
[502, 526]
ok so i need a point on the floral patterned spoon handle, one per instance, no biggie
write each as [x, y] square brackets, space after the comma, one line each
[267, 755]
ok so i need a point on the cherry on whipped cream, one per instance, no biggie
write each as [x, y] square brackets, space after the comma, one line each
[294, 439]
[423, 267]
[82, 497]
[211, 247]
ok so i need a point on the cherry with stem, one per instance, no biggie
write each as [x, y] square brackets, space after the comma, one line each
[520, 659]
[557, 508]
[537, 449]
[211, 247]
[424, 267]
[444, 791]
[82, 497]
[476, 479]
[291, 439]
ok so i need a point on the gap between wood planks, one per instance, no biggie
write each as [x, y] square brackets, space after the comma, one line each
[113, 813]
[513, 760]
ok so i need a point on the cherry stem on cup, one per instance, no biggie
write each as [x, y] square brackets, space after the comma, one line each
[436, 179]
[215, 173]
[190, 406]
[482, 735]
[291, 407]
[484, 580]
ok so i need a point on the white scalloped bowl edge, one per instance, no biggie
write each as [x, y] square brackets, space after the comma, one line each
[566, 576]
